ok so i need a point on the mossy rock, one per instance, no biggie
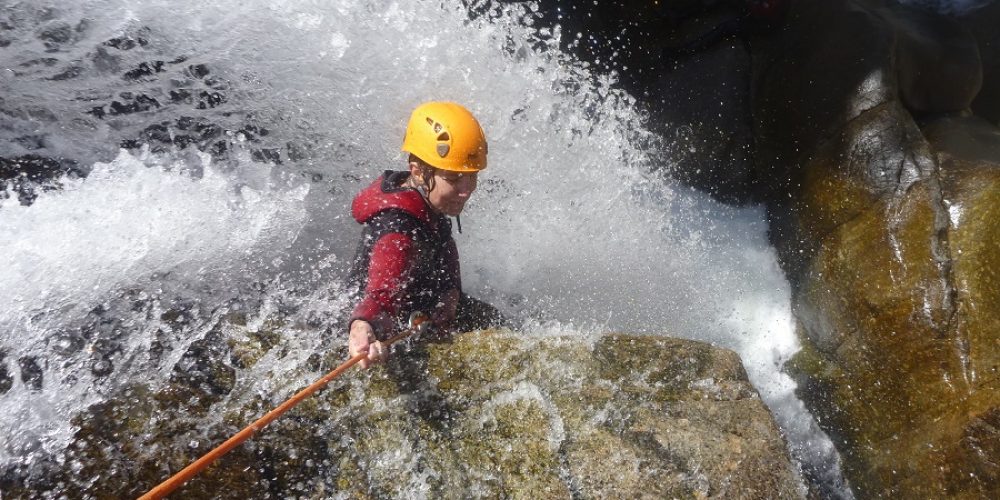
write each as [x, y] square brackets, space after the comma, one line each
[489, 414]
[901, 350]
[885, 217]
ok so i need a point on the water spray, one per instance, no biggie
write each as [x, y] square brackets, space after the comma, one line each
[418, 323]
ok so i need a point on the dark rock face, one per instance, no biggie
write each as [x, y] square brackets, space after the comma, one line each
[937, 61]
[490, 414]
[704, 107]
[26, 175]
[31, 372]
[818, 77]
[885, 213]
[693, 85]
[982, 24]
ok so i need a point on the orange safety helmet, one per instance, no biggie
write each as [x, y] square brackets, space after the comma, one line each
[445, 135]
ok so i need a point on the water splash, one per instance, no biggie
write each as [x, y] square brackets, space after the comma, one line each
[576, 224]
[126, 226]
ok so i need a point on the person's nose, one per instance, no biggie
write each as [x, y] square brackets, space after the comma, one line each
[466, 187]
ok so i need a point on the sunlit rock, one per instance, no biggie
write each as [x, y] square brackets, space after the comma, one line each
[885, 213]
[491, 414]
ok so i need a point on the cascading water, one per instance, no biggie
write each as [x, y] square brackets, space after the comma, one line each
[294, 108]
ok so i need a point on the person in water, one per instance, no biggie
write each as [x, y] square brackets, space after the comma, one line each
[407, 260]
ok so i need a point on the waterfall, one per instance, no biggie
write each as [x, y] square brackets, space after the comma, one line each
[217, 146]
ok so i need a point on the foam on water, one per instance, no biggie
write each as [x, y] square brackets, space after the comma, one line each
[125, 225]
[575, 225]
[126, 221]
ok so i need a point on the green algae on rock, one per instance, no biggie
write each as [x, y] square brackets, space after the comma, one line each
[489, 414]
[886, 221]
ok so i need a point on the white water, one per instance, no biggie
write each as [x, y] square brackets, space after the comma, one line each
[569, 226]
[123, 226]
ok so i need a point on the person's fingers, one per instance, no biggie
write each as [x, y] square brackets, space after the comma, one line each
[357, 344]
[376, 352]
[355, 350]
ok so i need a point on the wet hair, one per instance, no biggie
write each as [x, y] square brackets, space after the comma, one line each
[428, 179]
[416, 159]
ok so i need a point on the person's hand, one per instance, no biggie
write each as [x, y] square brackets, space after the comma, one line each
[362, 339]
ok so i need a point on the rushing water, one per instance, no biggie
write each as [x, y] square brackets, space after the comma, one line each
[575, 228]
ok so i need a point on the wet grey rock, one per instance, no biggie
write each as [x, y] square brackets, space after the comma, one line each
[68, 73]
[101, 367]
[143, 70]
[67, 342]
[31, 142]
[267, 155]
[132, 104]
[129, 42]
[42, 61]
[56, 35]
[31, 372]
[150, 82]
[208, 99]
[6, 379]
[198, 71]
[28, 174]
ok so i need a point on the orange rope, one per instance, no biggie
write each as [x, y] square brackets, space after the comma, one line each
[168, 486]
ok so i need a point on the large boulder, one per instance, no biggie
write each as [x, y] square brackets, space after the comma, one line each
[885, 213]
[491, 414]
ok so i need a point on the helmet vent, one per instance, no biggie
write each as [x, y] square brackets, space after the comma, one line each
[444, 137]
[442, 150]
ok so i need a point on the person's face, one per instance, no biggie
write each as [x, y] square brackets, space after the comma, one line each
[451, 190]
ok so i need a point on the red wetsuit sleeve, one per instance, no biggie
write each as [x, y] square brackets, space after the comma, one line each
[391, 259]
